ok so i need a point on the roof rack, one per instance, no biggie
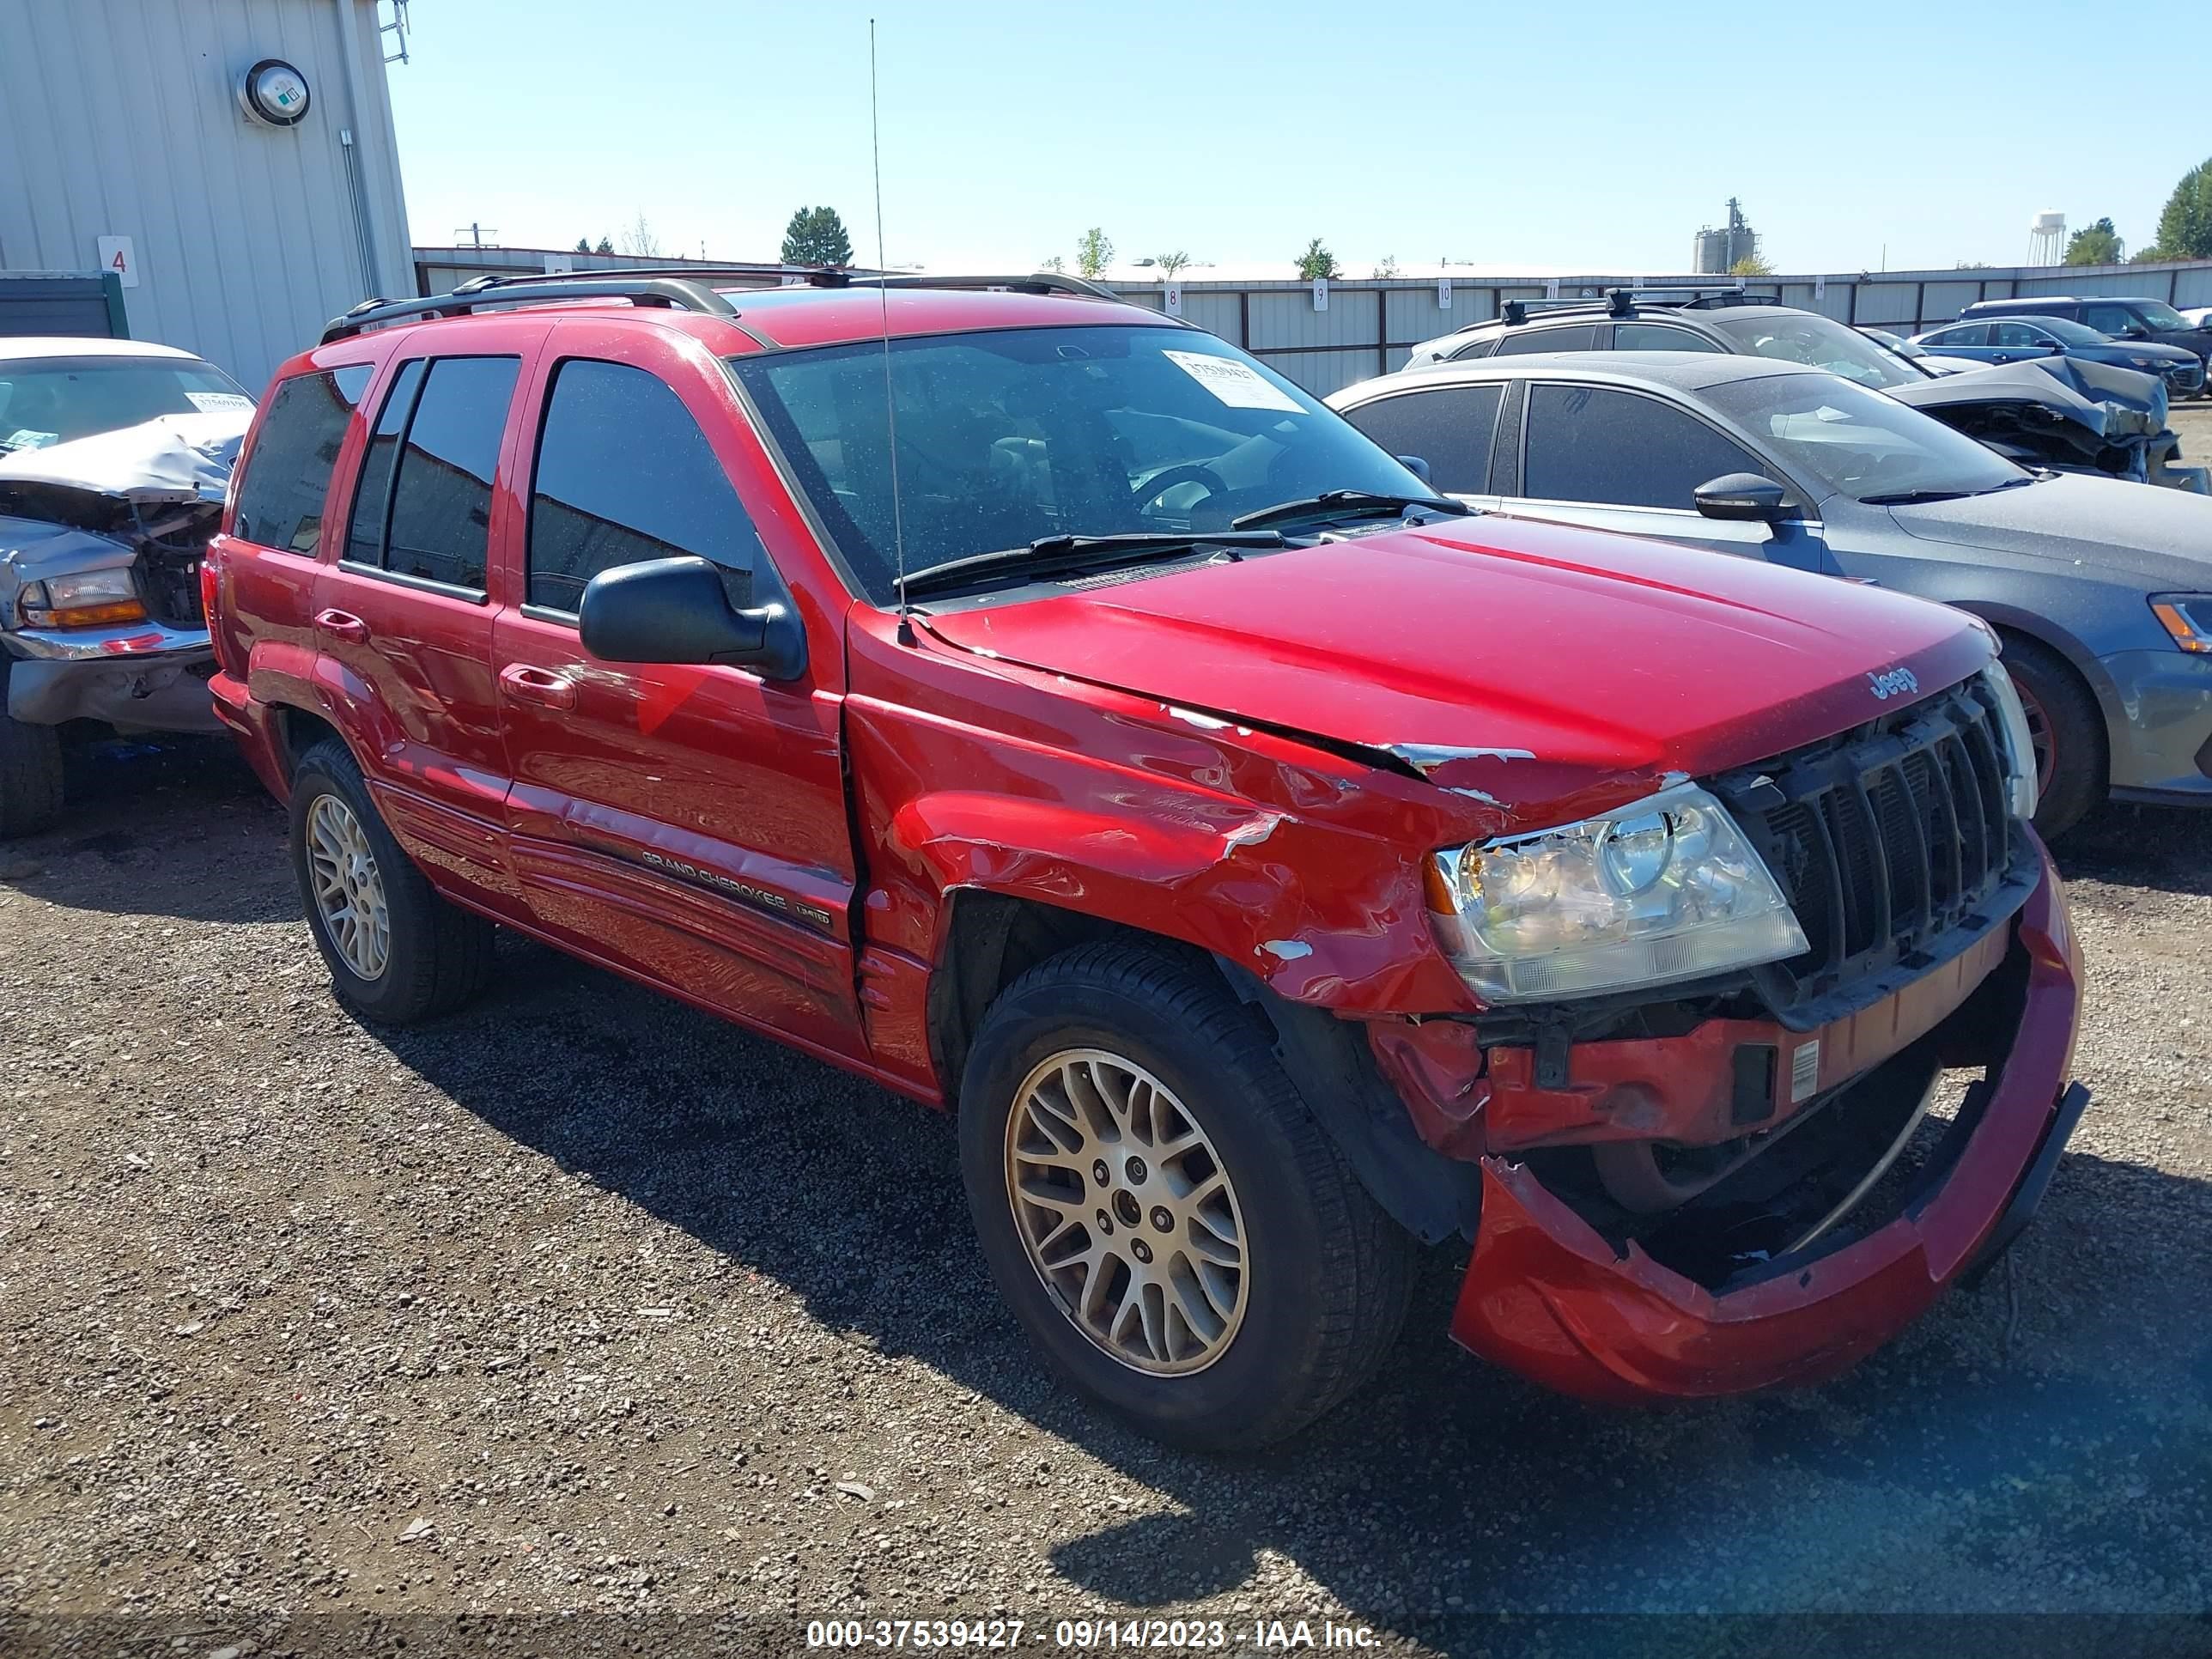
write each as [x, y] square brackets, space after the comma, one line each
[1036, 282]
[667, 292]
[1715, 297]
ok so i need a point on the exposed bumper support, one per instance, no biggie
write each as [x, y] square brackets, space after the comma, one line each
[120, 676]
[1548, 1296]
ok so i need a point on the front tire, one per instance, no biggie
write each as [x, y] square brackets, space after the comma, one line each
[398, 953]
[30, 774]
[1167, 1220]
[2068, 731]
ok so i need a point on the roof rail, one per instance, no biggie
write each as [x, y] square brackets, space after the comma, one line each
[1516, 312]
[1036, 282]
[662, 291]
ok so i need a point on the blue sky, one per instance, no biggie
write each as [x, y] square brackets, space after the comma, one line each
[1588, 138]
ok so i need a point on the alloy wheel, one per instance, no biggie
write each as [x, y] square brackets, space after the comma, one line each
[1126, 1212]
[347, 889]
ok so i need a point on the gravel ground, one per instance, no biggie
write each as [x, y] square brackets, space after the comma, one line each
[583, 1302]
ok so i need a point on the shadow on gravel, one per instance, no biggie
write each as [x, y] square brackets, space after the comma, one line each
[2052, 1455]
[2166, 849]
[148, 821]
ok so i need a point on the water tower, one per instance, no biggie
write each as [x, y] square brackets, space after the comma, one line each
[2046, 239]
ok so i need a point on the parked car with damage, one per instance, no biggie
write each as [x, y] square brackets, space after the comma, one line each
[114, 455]
[2077, 416]
[1034, 704]
[2125, 317]
[2025, 338]
[2102, 591]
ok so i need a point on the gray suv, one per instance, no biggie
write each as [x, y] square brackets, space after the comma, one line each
[2101, 590]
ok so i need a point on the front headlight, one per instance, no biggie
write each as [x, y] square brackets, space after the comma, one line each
[91, 598]
[2188, 617]
[1664, 889]
[2024, 788]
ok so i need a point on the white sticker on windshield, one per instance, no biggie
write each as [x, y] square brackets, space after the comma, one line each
[211, 403]
[23, 438]
[1238, 385]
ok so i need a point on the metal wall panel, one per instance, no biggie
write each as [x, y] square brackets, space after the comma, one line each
[1287, 318]
[1217, 314]
[120, 117]
[1323, 372]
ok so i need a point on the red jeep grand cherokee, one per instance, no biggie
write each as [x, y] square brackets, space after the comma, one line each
[1276, 865]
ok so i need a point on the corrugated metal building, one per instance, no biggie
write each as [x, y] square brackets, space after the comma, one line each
[123, 135]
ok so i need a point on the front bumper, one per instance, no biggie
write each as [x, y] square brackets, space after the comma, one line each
[1547, 1297]
[142, 677]
[2161, 746]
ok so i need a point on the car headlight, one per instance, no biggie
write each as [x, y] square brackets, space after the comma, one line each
[2151, 363]
[2025, 788]
[91, 598]
[1663, 890]
[2188, 617]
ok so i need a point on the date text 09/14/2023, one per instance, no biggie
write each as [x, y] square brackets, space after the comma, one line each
[1087, 1635]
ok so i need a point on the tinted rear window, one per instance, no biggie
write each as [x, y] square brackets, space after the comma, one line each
[1569, 337]
[441, 426]
[280, 498]
[1450, 428]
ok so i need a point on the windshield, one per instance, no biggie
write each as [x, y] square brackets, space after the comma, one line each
[2159, 314]
[46, 401]
[1005, 437]
[1859, 443]
[1818, 342]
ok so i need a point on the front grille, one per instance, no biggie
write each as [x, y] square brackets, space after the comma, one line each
[1886, 840]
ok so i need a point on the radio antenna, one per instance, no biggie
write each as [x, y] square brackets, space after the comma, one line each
[884, 298]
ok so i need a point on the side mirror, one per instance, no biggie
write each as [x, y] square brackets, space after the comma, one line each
[2054, 348]
[1743, 495]
[675, 611]
[2135, 332]
[1418, 466]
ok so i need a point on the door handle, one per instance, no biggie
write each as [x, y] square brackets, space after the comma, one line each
[539, 685]
[343, 625]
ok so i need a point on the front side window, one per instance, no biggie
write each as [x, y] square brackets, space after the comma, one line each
[280, 495]
[1658, 337]
[45, 401]
[1449, 427]
[2015, 334]
[1621, 449]
[2110, 319]
[422, 506]
[1806, 336]
[1012, 436]
[1859, 443]
[1966, 334]
[624, 474]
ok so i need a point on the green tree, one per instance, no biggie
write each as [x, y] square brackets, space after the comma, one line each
[583, 244]
[1056, 264]
[1317, 261]
[1170, 264]
[1751, 265]
[1094, 251]
[2184, 225]
[606, 245]
[2095, 245]
[1387, 267]
[815, 236]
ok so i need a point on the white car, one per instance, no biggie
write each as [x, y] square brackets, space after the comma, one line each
[114, 455]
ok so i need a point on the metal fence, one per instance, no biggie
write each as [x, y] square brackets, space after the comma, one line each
[1369, 327]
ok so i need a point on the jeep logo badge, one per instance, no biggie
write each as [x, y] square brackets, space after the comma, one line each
[1895, 683]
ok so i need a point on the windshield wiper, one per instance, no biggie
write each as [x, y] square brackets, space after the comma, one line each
[1054, 555]
[1346, 503]
[1914, 497]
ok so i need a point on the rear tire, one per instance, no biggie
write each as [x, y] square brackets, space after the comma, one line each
[30, 776]
[2069, 731]
[426, 958]
[1321, 1275]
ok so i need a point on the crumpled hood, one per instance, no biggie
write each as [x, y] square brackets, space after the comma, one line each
[2109, 401]
[2162, 537]
[1520, 660]
[172, 459]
